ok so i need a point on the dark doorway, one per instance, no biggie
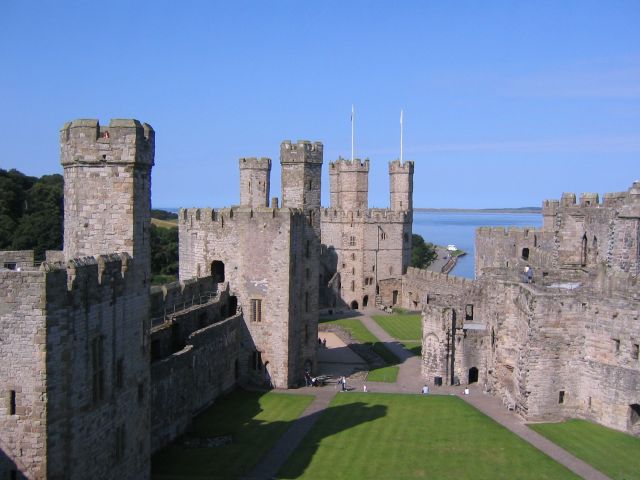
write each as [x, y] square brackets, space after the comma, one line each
[354, 305]
[217, 271]
[525, 254]
[233, 305]
[473, 375]
[395, 297]
[365, 301]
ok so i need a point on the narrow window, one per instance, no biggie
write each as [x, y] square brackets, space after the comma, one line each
[306, 334]
[616, 345]
[97, 369]
[11, 266]
[307, 274]
[635, 351]
[353, 256]
[12, 402]
[352, 241]
[561, 397]
[468, 312]
[353, 286]
[306, 302]
[256, 361]
[382, 235]
[306, 249]
[256, 310]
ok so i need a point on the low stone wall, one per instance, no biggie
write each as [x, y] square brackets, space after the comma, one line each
[190, 380]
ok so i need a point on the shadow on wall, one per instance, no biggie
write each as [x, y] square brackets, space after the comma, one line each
[230, 438]
[8, 468]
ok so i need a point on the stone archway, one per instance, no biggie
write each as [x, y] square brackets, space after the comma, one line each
[354, 305]
[365, 301]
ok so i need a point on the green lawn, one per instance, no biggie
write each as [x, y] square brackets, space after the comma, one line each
[362, 334]
[613, 453]
[401, 327]
[255, 420]
[382, 436]
[384, 374]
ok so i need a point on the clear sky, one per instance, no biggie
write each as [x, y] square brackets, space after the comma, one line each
[506, 103]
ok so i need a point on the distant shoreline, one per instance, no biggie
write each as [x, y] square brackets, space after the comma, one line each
[524, 210]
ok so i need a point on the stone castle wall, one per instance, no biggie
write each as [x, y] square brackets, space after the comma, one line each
[189, 380]
[255, 181]
[260, 249]
[16, 259]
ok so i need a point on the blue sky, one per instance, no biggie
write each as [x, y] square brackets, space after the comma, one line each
[506, 103]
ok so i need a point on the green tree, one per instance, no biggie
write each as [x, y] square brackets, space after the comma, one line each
[164, 251]
[422, 253]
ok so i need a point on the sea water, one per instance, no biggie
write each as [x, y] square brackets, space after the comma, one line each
[459, 229]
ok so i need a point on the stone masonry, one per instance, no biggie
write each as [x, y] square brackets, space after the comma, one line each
[565, 345]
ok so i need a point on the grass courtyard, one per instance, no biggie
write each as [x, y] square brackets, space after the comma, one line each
[255, 421]
[404, 327]
[361, 334]
[383, 436]
[614, 453]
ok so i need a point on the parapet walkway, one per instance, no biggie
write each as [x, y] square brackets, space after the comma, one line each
[409, 382]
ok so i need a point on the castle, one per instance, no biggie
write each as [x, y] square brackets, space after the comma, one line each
[100, 369]
[563, 345]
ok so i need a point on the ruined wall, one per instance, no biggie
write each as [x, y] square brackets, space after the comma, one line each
[260, 248]
[189, 380]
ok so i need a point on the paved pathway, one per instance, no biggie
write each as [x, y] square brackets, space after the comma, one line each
[409, 381]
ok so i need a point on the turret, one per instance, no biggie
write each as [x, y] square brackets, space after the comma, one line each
[254, 181]
[401, 182]
[301, 165]
[351, 184]
[107, 189]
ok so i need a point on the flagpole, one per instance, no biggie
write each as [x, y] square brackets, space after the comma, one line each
[353, 114]
[401, 139]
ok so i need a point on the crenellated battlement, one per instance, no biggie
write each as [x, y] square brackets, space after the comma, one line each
[513, 232]
[89, 272]
[377, 215]
[302, 152]
[440, 278]
[124, 141]
[345, 165]
[262, 163]
[223, 216]
[587, 200]
[396, 166]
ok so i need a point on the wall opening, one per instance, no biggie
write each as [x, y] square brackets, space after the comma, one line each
[525, 254]
[634, 414]
[11, 266]
[256, 361]
[12, 402]
[233, 305]
[468, 312]
[354, 305]
[256, 310]
[365, 300]
[635, 351]
[395, 297]
[473, 375]
[217, 271]
[561, 397]
[583, 256]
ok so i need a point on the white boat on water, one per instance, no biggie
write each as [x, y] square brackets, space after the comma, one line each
[452, 248]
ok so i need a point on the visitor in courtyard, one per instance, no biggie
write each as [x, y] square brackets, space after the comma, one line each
[530, 275]
[364, 388]
[324, 342]
[525, 275]
[425, 389]
[343, 383]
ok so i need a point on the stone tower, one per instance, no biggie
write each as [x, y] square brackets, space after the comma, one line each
[255, 181]
[107, 189]
[301, 178]
[401, 183]
[349, 182]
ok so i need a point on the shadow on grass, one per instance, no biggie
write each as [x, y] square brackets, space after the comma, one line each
[246, 425]
[345, 416]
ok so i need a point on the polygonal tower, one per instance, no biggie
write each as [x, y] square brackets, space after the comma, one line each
[401, 183]
[107, 189]
[255, 181]
[301, 165]
[352, 182]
